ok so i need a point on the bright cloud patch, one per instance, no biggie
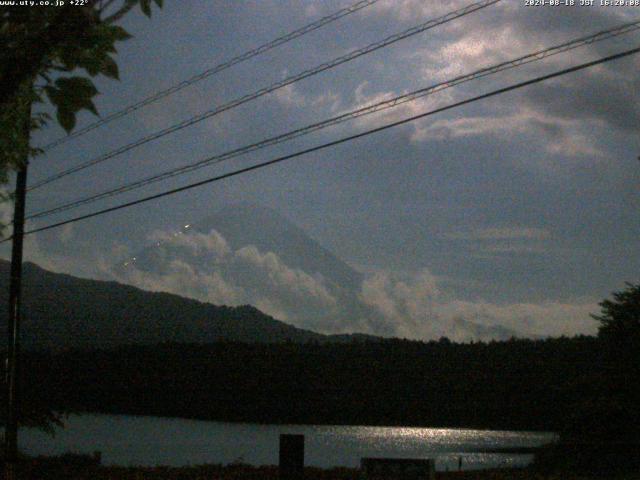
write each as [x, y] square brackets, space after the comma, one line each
[417, 308]
[181, 278]
[564, 136]
[205, 267]
[292, 280]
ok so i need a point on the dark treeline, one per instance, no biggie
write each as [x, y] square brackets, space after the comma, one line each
[518, 384]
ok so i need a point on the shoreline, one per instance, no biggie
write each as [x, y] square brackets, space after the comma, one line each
[75, 467]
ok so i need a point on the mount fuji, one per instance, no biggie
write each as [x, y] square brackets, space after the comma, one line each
[249, 254]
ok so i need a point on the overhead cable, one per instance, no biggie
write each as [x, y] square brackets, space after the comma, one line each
[271, 88]
[349, 138]
[367, 110]
[214, 70]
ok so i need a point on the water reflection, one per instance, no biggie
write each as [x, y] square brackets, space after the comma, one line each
[162, 441]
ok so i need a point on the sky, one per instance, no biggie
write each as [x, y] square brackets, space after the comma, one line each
[518, 211]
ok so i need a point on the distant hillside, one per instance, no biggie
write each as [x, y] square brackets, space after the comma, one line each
[62, 311]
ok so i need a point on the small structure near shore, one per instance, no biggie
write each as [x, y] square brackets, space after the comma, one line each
[291, 457]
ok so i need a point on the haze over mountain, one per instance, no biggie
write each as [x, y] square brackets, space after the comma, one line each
[249, 224]
[63, 311]
[248, 254]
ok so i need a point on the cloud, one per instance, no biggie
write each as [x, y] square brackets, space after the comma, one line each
[363, 99]
[406, 304]
[195, 242]
[183, 279]
[282, 276]
[562, 136]
[417, 308]
[204, 266]
[476, 49]
[290, 96]
[328, 99]
[570, 113]
[546, 318]
[410, 10]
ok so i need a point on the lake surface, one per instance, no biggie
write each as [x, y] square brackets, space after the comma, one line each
[151, 441]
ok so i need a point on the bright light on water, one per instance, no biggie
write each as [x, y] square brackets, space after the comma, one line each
[150, 441]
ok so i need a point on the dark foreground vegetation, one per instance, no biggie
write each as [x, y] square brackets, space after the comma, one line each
[77, 467]
[585, 388]
[581, 387]
[520, 384]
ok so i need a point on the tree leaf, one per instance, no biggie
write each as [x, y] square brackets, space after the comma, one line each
[70, 95]
[118, 33]
[66, 119]
[92, 63]
[110, 68]
[145, 5]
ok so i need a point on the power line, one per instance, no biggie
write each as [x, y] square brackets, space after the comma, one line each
[214, 70]
[386, 104]
[336, 142]
[273, 87]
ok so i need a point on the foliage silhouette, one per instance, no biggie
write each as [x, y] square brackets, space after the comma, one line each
[41, 47]
[601, 434]
[620, 318]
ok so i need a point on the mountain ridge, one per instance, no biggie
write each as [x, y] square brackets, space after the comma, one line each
[246, 253]
[64, 311]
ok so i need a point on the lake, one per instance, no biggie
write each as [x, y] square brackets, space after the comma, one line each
[151, 441]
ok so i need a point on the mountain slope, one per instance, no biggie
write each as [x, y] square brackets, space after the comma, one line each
[251, 254]
[242, 224]
[246, 224]
[63, 311]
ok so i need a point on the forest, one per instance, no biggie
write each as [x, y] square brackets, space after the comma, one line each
[518, 384]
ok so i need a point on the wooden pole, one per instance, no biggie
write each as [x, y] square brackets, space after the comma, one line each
[13, 328]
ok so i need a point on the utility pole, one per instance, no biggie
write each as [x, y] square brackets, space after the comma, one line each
[13, 328]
